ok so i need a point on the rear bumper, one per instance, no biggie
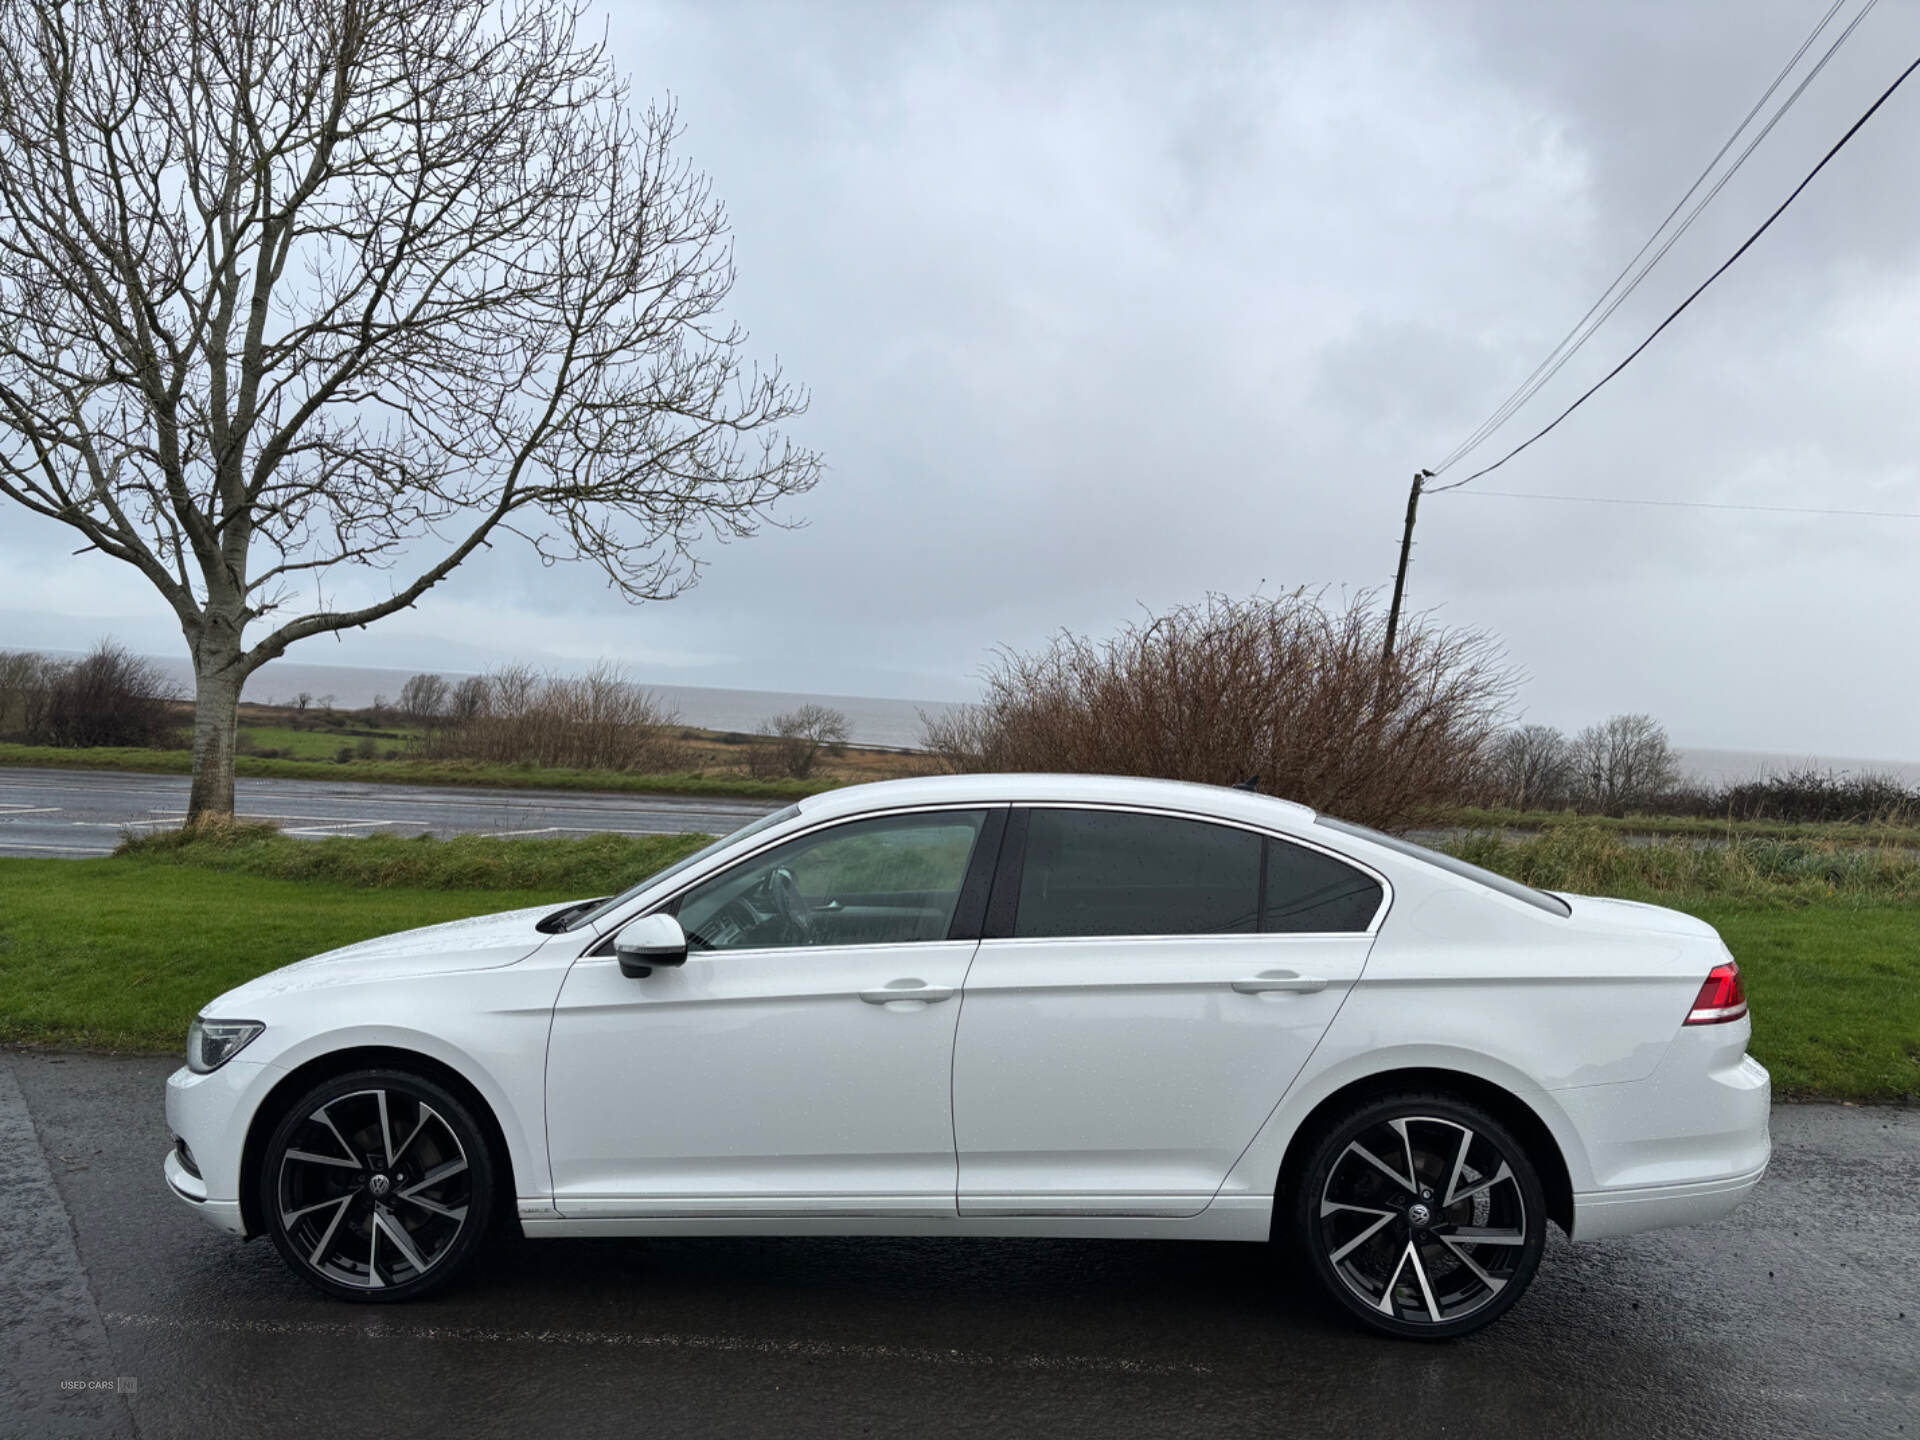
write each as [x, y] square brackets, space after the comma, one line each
[1603, 1214]
[1683, 1146]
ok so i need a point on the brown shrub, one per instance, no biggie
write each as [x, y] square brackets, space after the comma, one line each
[517, 715]
[1285, 687]
[109, 697]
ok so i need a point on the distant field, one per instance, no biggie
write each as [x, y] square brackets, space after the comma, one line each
[120, 953]
[1472, 818]
[320, 744]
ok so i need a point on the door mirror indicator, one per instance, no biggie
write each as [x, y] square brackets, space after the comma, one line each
[647, 942]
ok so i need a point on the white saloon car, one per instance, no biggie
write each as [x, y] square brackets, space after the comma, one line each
[1028, 1005]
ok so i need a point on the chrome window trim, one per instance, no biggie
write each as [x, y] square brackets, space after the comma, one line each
[723, 862]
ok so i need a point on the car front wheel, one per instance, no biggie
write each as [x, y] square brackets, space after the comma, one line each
[1420, 1215]
[377, 1186]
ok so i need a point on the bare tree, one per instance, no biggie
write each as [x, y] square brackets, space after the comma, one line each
[291, 293]
[1531, 768]
[424, 698]
[794, 741]
[1624, 763]
[470, 699]
[26, 684]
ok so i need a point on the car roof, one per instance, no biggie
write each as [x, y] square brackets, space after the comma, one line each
[1218, 801]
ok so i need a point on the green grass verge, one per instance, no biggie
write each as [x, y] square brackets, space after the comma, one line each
[1591, 860]
[418, 772]
[120, 953]
[590, 865]
[1835, 992]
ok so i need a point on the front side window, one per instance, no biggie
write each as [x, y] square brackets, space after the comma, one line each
[1108, 872]
[891, 880]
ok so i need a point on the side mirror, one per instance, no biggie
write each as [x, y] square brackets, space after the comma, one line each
[649, 941]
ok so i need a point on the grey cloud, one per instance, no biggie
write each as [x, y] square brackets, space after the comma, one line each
[1107, 304]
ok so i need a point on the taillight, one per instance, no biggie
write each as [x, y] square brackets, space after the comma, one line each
[1721, 999]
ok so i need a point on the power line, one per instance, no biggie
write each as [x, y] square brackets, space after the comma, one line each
[1698, 504]
[1574, 339]
[1681, 308]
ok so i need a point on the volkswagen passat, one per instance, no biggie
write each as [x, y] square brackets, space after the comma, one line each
[999, 1005]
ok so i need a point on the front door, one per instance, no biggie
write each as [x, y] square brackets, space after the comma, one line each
[1146, 993]
[799, 1062]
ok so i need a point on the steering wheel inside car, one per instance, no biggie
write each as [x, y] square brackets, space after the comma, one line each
[785, 894]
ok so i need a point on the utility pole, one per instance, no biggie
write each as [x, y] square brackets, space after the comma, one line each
[1406, 550]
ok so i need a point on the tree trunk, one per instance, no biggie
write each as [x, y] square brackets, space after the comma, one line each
[216, 720]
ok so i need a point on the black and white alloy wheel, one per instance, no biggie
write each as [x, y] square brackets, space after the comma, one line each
[1421, 1216]
[377, 1186]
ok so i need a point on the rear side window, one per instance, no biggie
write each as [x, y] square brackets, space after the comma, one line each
[1105, 872]
[1307, 892]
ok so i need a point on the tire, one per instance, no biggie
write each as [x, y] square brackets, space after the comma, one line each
[1396, 1255]
[377, 1186]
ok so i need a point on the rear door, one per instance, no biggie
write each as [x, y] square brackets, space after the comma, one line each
[1148, 987]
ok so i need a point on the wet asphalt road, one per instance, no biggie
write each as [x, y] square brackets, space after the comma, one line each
[73, 814]
[1799, 1316]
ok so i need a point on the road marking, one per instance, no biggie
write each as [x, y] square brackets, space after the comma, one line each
[383, 1330]
[270, 815]
[6, 810]
[69, 849]
[509, 834]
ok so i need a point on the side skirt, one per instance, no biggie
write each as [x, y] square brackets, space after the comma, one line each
[1231, 1217]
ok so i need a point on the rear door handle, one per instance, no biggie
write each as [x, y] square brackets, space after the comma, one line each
[1269, 982]
[907, 994]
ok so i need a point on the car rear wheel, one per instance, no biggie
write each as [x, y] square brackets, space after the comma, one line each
[1420, 1215]
[377, 1186]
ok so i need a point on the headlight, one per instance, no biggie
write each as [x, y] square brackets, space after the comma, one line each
[211, 1043]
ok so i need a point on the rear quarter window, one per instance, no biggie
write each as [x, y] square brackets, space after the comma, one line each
[1512, 889]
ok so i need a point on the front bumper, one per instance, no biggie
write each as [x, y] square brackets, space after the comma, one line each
[221, 1214]
[211, 1112]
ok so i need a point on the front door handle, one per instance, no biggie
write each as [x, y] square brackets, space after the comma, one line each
[1268, 982]
[907, 994]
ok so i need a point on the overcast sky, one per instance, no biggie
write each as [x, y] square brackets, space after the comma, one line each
[1113, 305]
